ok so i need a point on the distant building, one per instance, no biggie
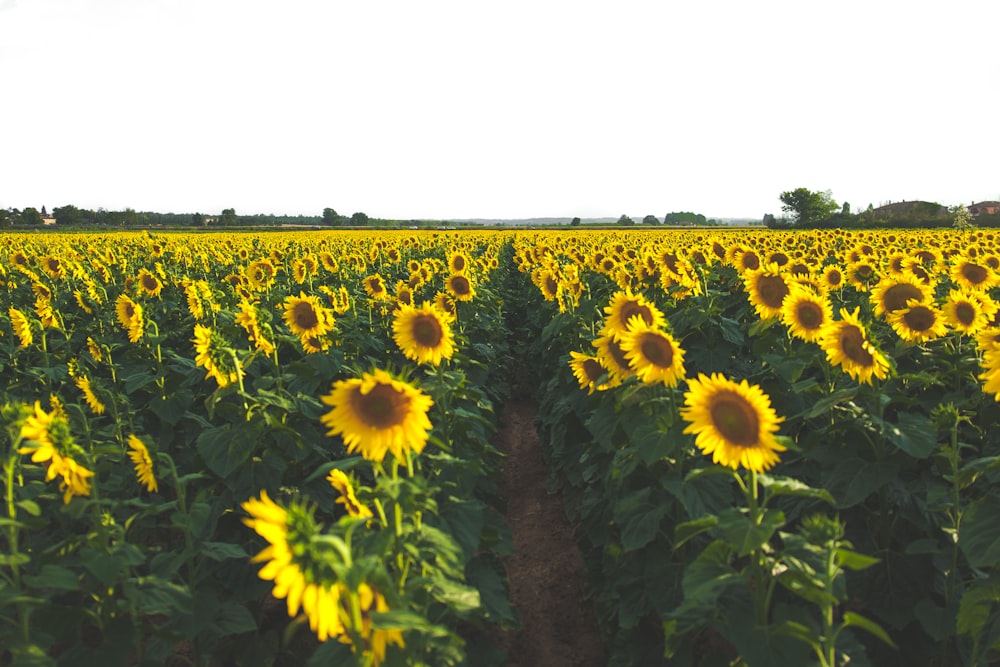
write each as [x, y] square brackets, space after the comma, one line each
[48, 220]
[985, 208]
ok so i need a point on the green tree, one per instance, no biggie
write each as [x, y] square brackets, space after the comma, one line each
[228, 218]
[30, 216]
[359, 219]
[575, 222]
[650, 220]
[625, 220]
[330, 217]
[961, 218]
[198, 220]
[807, 206]
[6, 218]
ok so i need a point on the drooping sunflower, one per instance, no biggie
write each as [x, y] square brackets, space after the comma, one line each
[342, 484]
[149, 284]
[460, 286]
[21, 325]
[377, 414]
[588, 371]
[130, 317]
[214, 354]
[94, 349]
[424, 334]
[54, 443]
[143, 463]
[734, 422]
[766, 289]
[258, 332]
[894, 291]
[653, 354]
[624, 306]
[805, 313]
[846, 344]
[918, 322]
[306, 317]
[83, 383]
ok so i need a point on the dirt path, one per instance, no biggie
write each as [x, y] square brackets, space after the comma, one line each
[546, 571]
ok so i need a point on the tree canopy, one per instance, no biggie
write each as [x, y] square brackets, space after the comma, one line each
[808, 207]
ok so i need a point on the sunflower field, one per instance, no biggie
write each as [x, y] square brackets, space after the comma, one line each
[780, 448]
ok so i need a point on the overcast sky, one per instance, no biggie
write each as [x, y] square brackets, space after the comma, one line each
[431, 109]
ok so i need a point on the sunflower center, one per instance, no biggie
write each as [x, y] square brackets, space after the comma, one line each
[657, 350]
[427, 331]
[460, 285]
[618, 354]
[735, 419]
[809, 315]
[834, 278]
[896, 296]
[852, 343]
[149, 282]
[458, 263]
[383, 407]
[749, 260]
[304, 315]
[551, 285]
[974, 273]
[670, 261]
[630, 309]
[772, 290]
[919, 318]
[593, 370]
[965, 313]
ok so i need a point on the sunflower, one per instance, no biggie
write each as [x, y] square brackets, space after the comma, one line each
[805, 313]
[149, 284]
[893, 292]
[424, 334]
[54, 267]
[624, 306]
[143, 463]
[968, 311]
[260, 275]
[53, 442]
[735, 423]
[83, 383]
[458, 262]
[376, 640]
[342, 484]
[214, 355]
[21, 325]
[306, 317]
[766, 289]
[376, 414]
[833, 277]
[653, 354]
[588, 371]
[918, 322]
[94, 349]
[194, 302]
[404, 295]
[460, 287]
[249, 318]
[846, 344]
[375, 287]
[130, 317]
[612, 357]
[971, 275]
[444, 303]
[548, 283]
[285, 531]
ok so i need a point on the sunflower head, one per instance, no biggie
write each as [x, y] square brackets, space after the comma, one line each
[460, 286]
[624, 307]
[653, 354]
[424, 334]
[847, 345]
[306, 317]
[589, 372]
[917, 322]
[734, 422]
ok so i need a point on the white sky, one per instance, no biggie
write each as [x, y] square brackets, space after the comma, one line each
[520, 108]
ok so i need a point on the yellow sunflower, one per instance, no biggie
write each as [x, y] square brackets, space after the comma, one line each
[894, 291]
[377, 414]
[766, 289]
[612, 357]
[971, 275]
[968, 311]
[143, 463]
[460, 286]
[53, 443]
[214, 354]
[458, 262]
[624, 306]
[130, 317]
[734, 422]
[588, 371]
[259, 333]
[653, 354]
[846, 344]
[342, 484]
[260, 275]
[833, 277]
[306, 317]
[805, 313]
[83, 383]
[918, 322]
[149, 284]
[21, 325]
[375, 287]
[424, 334]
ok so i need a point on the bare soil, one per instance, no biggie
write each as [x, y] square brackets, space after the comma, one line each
[547, 576]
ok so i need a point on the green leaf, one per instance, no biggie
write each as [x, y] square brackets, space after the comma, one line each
[403, 619]
[30, 506]
[459, 597]
[746, 536]
[234, 619]
[856, 620]
[54, 577]
[708, 575]
[914, 433]
[788, 486]
[826, 403]
[223, 551]
[224, 449]
[639, 518]
[852, 560]
[798, 631]
[14, 559]
[689, 529]
[979, 537]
